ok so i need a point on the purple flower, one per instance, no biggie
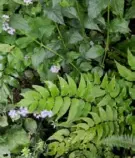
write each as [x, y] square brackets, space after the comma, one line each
[12, 113]
[11, 31]
[44, 114]
[55, 69]
[5, 26]
[23, 111]
[50, 113]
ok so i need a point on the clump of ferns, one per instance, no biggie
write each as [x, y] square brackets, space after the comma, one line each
[83, 113]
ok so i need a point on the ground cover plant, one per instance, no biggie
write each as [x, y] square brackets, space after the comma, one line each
[67, 78]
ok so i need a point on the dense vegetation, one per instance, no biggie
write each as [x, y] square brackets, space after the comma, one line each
[67, 78]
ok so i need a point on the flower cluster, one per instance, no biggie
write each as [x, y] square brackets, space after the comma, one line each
[5, 25]
[23, 111]
[43, 114]
[55, 69]
[27, 2]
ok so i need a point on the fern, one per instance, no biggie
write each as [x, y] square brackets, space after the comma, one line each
[93, 111]
[125, 141]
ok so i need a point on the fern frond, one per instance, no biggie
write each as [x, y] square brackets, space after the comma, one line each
[125, 141]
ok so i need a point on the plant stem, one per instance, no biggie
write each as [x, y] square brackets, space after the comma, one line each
[60, 35]
[51, 50]
[108, 35]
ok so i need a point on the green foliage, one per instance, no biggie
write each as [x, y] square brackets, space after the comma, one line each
[93, 109]
[60, 55]
[120, 141]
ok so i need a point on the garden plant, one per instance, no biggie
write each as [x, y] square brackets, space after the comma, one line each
[67, 78]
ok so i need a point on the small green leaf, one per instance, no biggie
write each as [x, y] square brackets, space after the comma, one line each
[95, 117]
[53, 88]
[63, 86]
[132, 92]
[126, 73]
[117, 7]
[131, 60]
[43, 91]
[5, 48]
[3, 121]
[55, 14]
[73, 112]
[30, 125]
[119, 25]
[58, 104]
[81, 88]
[64, 108]
[104, 83]
[18, 22]
[103, 115]
[109, 113]
[94, 52]
[72, 86]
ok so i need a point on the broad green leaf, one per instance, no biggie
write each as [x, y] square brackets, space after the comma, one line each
[57, 105]
[64, 108]
[126, 73]
[91, 24]
[49, 103]
[52, 88]
[23, 42]
[130, 14]
[69, 12]
[117, 7]
[119, 25]
[38, 57]
[5, 48]
[63, 86]
[19, 23]
[95, 7]
[131, 60]
[94, 52]
[74, 37]
[72, 86]
[30, 125]
[73, 111]
[3, 121]
[55, 14]
[43, 91]
[17, 139]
